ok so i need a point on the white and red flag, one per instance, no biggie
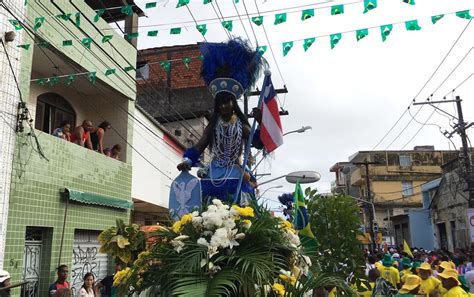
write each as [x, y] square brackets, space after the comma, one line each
[271, 132]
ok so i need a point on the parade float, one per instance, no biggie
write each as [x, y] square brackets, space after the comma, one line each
[221, 241]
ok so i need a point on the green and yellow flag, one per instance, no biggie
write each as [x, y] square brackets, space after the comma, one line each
[301, 219]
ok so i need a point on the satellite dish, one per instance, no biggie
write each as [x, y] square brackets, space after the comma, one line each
[346, 170]
[303, 177]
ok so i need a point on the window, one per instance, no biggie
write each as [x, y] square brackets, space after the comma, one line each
[407, 188]
[51, 110]
[405, 161]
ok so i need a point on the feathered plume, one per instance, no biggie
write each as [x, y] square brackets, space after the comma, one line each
[234, 59]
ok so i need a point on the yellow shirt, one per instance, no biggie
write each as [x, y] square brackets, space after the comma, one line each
[456, 292]
[364, 292]
[378, 265]
[405, 273]
[429, 285]
[390, 274]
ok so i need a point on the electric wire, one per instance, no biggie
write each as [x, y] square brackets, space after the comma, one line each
[243, 25]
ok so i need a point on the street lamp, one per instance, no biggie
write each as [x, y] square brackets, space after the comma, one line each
[274, 187]
[300, 130]
[303, 177]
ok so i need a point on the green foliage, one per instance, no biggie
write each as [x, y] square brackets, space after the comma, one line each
[123, 242]
[335, 222]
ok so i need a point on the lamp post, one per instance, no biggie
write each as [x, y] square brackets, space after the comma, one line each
[303, 177]
[274, 187]
[300, 130]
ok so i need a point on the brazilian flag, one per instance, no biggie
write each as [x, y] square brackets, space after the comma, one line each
[301, 219]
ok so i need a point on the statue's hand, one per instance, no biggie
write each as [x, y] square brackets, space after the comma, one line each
[257, 113]
[184, 166]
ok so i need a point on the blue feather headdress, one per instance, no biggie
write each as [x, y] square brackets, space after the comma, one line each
[231, 67]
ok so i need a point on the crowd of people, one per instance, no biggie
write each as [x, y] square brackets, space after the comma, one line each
[86, 135]
[421, 273]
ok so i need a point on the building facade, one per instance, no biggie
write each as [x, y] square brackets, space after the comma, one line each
[395, 184]
[62, 195]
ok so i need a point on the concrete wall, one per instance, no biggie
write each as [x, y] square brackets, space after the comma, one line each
[148, 184]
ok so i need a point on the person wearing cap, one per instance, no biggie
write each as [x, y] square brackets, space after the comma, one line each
[449, 279]
[388, 272]
[429, 283]
[4, 283]
[406, 262]
[411, 286]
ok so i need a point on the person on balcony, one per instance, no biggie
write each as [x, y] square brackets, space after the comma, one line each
[114, 152]
[63, 131]
[82, 136]
[97, 136]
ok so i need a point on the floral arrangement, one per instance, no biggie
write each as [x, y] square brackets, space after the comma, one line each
[222, 251]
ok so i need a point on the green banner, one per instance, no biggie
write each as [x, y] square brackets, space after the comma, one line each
[337, 9]
[258, 20]
[149, 5]
[227, 25]
[175, 31]
[202, 29]
[307, 14]
[87, 42]
[385, 30]
[280, 18]
[287, 46]
[335, 38]
[436, 18]
[308, 42]
[369, 5]
[152, 33]
[412, 25]
[98, 14]
[16, 24]
[361, 33]
[38, 23]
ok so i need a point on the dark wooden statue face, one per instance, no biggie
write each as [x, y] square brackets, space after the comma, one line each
[225, 105]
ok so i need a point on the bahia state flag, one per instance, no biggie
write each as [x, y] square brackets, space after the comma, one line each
[271, 132]
[301, 219]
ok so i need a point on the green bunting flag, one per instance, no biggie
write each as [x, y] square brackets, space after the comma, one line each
[44, 44]
[98, 14]
[128, 68]
[337, 9]
[87, 42]
[166, 65]
[38, 23]
[70, 79]
[308, 42]
[258, 20]
[106, 38]
[385, 30]
[91, 76]
[361, 33]
[16, 24]
[182, 3]
[436, 18]
[42, 81]
[64, 16]
[369, 5]
[132, 35]
[109, 71]
[127, 9]
[149, 5]
[307, 14]
[67, 42]
[280, 18]
[412, 25]
[53, 81]
[202, 29]
[175, 31]
[411, 2]
[262, 49]
[464, 14]
[207, 1]
[335, 38]
[186, 61]
[287, 47]
[152, 33]
[228, 25]
[24, 46]
[236, 1]
[201, 57]
[78, 20]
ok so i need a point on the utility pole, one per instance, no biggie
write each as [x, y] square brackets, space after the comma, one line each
[257, 93]
[460, 128]
[369, 199]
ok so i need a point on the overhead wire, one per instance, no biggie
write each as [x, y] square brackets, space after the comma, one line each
[243, 25]
[419, 92]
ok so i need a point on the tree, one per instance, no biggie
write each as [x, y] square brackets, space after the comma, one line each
[335, 223]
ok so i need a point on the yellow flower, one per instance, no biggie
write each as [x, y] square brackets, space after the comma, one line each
[288, 279]
[244, 211]
[286, 225]
[186, 218]
[177, 227]
[141, 257]
[279, 289]
[121, 276]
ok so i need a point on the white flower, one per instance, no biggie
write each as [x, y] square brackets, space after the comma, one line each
[229, 223]
[203, 241]
[182, 237]
[177, 245]
[239, 236]
[211, 251]
[217, 202]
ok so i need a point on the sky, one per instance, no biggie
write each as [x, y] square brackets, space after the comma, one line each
[350, 95]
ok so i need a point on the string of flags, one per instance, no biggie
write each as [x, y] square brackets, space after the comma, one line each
[385, 31]
[280, 18]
